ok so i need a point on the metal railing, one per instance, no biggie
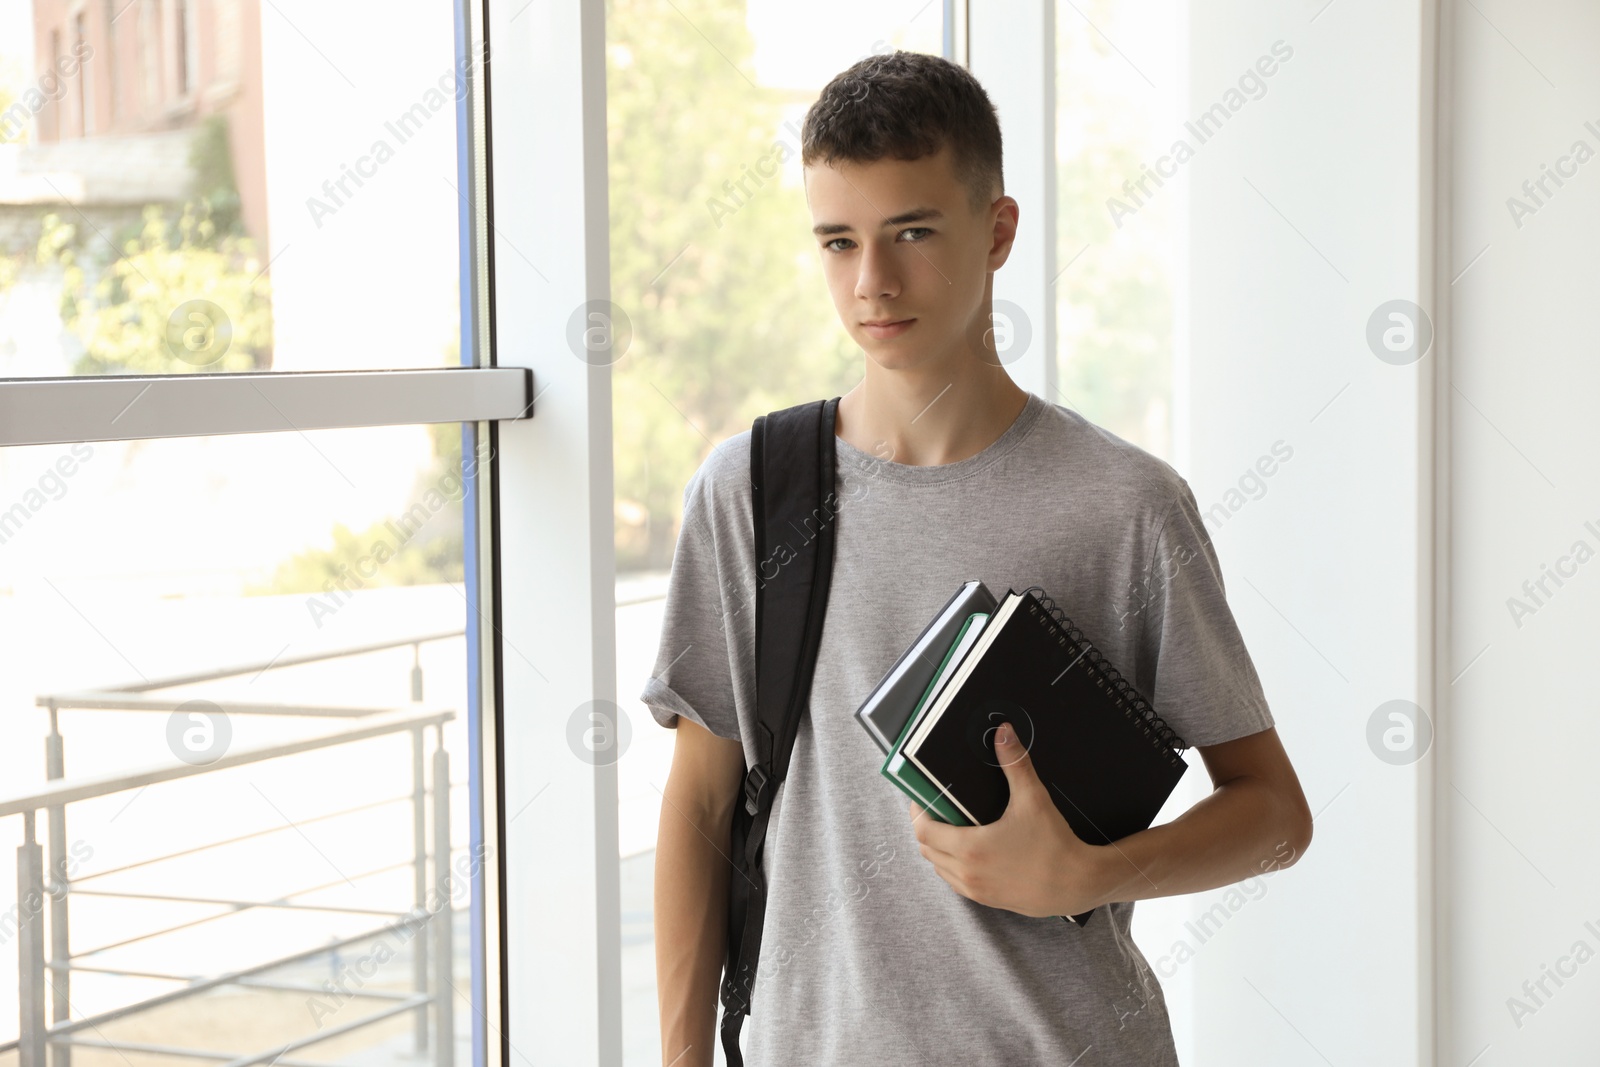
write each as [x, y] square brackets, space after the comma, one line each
[45, 970]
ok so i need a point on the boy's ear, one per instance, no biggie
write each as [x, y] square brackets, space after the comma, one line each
[1005, 231]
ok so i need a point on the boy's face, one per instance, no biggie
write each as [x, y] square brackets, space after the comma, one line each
[899, 243]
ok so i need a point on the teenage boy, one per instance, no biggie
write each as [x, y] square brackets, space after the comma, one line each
[891, 937]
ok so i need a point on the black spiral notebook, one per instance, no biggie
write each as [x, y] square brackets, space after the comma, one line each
[1106, 757]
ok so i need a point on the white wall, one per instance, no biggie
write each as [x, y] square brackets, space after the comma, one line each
[1304, 217]
[1520, 874]
[1312, 206]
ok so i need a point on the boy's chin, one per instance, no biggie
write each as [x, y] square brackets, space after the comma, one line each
[897, 363]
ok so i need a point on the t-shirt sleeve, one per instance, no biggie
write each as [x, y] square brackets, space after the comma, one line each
[1205, 687]
[694, 673]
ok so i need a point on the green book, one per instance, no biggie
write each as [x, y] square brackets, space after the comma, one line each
[900, 770]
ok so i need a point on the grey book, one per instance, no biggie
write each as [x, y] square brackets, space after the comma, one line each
[887, 708]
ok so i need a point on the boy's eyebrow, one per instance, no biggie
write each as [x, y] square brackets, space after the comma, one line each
[916, 214]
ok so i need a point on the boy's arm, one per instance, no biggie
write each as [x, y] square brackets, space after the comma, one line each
[1254, 820]
[691, 890]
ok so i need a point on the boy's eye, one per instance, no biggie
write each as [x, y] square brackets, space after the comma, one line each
[910, 229]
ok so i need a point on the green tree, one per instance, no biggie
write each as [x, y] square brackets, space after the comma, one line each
[729, 320]
[1114, 301]
[211, 161]
[135, 312]
[172, 293]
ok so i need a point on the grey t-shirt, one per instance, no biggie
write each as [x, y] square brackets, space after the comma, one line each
[868, 955]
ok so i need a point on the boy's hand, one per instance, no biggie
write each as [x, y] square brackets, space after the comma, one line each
[1029, 860]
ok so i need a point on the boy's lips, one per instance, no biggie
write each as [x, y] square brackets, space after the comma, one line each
[886, 329]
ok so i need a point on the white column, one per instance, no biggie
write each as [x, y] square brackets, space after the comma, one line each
[557, 645]
[1519, 877]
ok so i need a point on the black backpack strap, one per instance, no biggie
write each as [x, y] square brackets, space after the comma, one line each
[792, 463]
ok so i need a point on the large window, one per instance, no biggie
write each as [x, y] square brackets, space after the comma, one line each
[236, 720]
[295, 177]
[247, 800]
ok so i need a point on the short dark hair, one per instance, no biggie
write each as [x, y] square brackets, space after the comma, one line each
[908, 105]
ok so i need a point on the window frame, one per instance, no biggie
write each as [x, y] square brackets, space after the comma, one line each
[479, 394]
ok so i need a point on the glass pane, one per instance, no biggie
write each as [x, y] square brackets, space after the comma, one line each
[248, 656]
[714, 264]
[226, 186]
[1119, 103]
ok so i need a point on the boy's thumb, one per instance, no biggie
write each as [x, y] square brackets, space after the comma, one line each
[1013, 757]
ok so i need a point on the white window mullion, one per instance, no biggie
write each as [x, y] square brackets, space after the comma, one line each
[556, 640]
[41, 411]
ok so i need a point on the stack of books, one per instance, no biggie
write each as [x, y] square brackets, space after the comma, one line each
[1106, 757]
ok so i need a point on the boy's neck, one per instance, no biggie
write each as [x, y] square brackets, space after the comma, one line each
[929, 417]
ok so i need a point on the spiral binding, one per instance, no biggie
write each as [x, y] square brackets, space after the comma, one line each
[1133, 705]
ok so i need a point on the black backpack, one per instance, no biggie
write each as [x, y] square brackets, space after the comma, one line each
[791, 475]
